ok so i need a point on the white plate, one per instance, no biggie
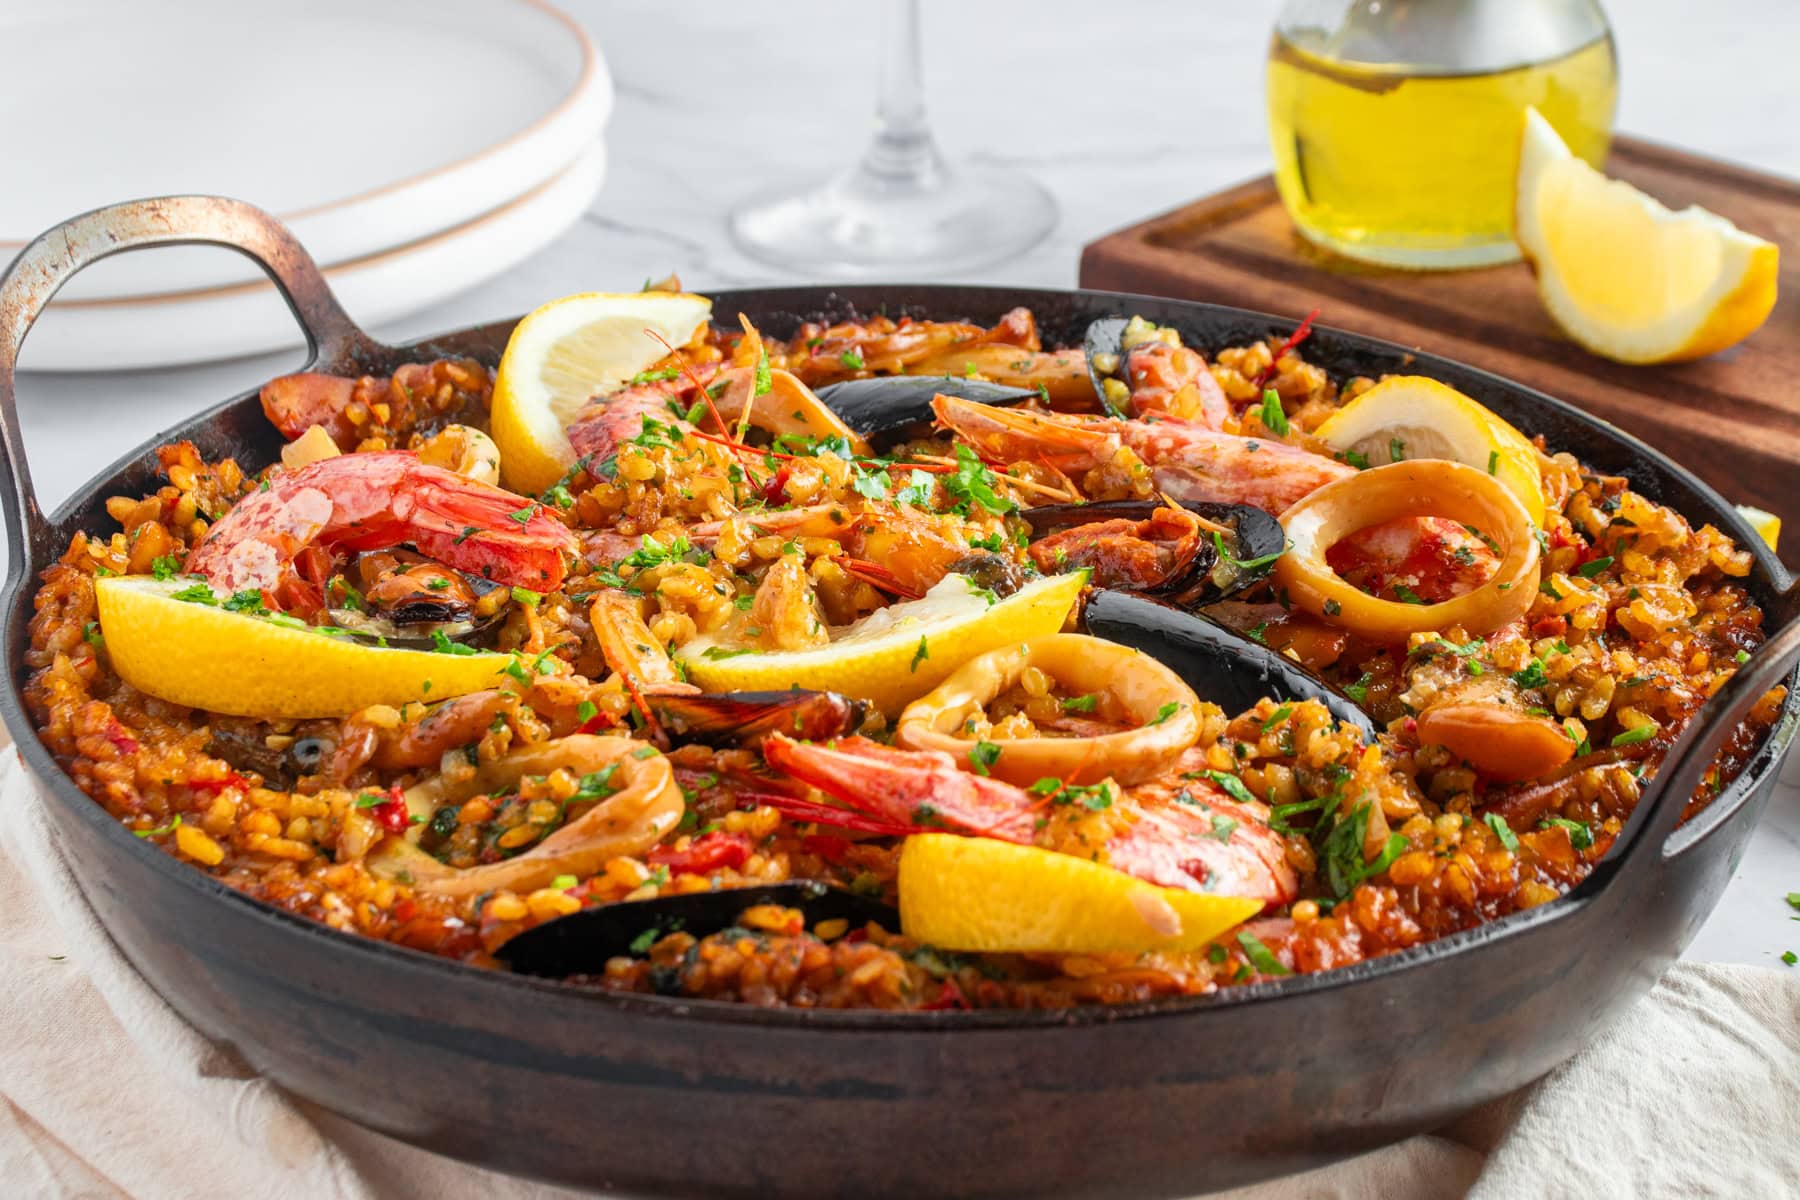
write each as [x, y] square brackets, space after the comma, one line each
[364, 126]
[156, 331]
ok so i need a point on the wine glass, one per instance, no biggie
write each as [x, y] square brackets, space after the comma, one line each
[902, 209]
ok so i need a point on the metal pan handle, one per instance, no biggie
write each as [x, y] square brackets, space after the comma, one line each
[1641, 843]
[47, 263]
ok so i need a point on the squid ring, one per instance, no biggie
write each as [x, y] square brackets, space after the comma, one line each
[1143, 687]
[1426, 487]
[645, 806]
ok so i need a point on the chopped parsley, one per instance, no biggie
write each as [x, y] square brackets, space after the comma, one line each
[1260, 956]
[1166, 711]
[1396, 450]
[197, 593]
[1273, 418]
[1333, 608]
[90, 633]
[919, 655]
[1243, 564]
[1503, 831]
[1532, 676]
[852, 360]
[1222, 828]
[1407, 595]
[1580, 836]
[1082, 704]
[982, 756]
[165, 566]
[1357, 459]
[159, 830]
[1277, 717]
[765, 379]
[973, 483]
[586, 711]
[524, 515]
[1343, 852]
[1588, 570]
[1231, 785]
[1359, 691]
[526, 596]
[1493, 461]
[441, 644]
[1632, 737]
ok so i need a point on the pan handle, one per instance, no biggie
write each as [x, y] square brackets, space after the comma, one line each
[47, 263]
[1642, 841]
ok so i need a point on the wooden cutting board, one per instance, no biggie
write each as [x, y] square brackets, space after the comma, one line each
[1733, 418]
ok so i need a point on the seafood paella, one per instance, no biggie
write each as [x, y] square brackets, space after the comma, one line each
[887, 662]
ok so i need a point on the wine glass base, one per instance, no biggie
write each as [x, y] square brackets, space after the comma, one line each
[859, 224]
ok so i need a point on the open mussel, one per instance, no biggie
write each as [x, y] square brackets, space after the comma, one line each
[1140, 546]
[1104, 347]
[1220, 664]
[745, 718]
[582, 942]
[884, 406]
[402, 599]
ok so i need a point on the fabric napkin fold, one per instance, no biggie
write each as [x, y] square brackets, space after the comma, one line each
[107, 1092]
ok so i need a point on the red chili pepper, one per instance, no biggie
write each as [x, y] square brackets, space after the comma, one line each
[392, 814]
[405, 911]
[949, 996]
[121, 738]
[709, 852]
[775, 490]
[831, 848]
[1299, 335]
[215, 786]
[596, 723]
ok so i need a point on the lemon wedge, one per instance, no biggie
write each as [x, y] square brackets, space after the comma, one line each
[569, 350]
[1766, 524]
[982, 894]
[199, 654]
[895, 655]
[1422, 418]
[1624, 276]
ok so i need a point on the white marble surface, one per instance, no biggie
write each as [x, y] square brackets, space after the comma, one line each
[1122, 109]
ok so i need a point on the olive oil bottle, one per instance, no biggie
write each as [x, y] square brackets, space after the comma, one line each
[1395, 123]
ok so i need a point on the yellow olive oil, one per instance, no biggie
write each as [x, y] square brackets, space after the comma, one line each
[1397, 165]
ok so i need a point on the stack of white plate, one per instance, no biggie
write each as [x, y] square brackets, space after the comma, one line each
[416, 147]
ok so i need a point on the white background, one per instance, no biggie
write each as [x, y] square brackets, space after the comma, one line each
[1123, 109]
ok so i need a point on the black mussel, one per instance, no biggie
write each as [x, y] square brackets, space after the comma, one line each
[1104, 346]
[1251, 540]
[414, 604]
[885, 405]
[985, 569]
[245, 745]
[582, 942]
[745, 718]
[1219, 664]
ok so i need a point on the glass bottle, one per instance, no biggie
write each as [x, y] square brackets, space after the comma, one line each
[1395, 123]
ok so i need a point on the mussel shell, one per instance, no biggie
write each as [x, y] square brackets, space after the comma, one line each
[1103, 338]
[744, 718]
[582, 942]
[1220, 664]
[1207, 578]
[887, 404]
[410, 624]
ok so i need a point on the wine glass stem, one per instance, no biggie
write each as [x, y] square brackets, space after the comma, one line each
[902, 153]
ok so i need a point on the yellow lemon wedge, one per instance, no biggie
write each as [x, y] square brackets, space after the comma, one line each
[1624, 276]
[897, 654]
[1766, 524]
[569, 350]
[982, 894]
[1410, 416]
[194, 652]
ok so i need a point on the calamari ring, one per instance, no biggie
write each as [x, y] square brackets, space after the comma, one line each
[640, 813]
[1426, 487]
[1143, 687]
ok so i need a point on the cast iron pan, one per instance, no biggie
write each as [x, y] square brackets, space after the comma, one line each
[654, 1095]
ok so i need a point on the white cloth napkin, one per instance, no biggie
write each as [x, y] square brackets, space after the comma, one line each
[108, 1093]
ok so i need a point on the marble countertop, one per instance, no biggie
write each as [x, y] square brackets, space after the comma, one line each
[1122, 110]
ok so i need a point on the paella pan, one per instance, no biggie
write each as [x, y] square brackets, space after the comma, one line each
[963, 669]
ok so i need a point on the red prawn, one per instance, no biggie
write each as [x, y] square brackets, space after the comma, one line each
[280, 540]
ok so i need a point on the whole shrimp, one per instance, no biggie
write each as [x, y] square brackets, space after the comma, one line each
[1188, 461]
[1147, 833]
[281, 540]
